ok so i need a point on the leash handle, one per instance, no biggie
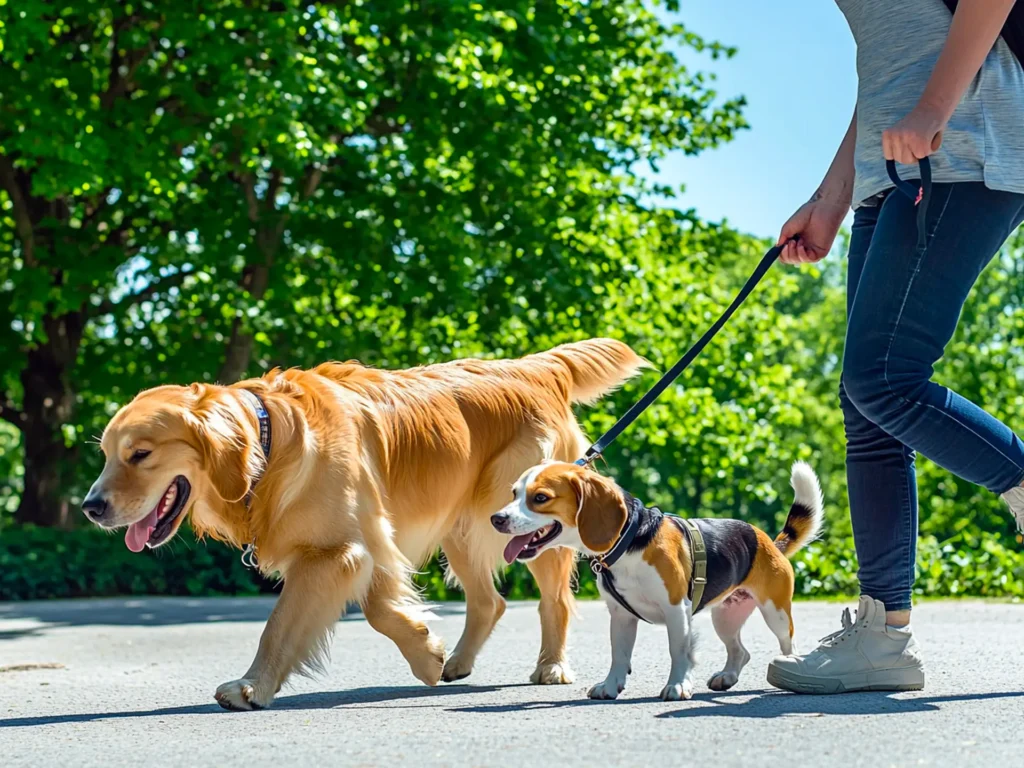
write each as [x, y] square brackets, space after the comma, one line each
[916, 192]
[919, 194]
[684, 362]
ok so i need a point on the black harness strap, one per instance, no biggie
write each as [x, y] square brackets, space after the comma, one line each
[601, 566]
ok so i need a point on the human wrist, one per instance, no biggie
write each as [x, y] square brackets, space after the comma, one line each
[832, 191]
[936, 106]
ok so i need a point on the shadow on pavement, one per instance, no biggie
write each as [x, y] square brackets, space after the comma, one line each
[766, 704]
[526, 706]
[303, 701]
[154, 611]
[780, 704]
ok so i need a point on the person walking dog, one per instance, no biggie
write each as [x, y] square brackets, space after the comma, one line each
[947, 87]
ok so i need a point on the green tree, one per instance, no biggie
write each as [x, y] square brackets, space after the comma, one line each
[201, 191]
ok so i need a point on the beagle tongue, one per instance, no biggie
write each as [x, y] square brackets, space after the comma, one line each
[517, 545]
[138, 533]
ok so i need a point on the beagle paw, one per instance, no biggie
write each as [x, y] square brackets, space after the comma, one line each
[723, 681]
[677, 691]
[606, 690]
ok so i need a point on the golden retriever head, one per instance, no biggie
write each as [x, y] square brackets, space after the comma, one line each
[563, 505]
[167, 450]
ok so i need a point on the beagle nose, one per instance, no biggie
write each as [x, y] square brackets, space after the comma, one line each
[95, 507]
[500, 522]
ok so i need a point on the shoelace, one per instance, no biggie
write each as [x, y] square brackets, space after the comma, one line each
[840, 634]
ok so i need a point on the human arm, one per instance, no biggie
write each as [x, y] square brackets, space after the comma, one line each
[809, 233]
[972, 33]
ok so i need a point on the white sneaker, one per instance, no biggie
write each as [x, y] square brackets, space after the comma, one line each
[1015, 498]
[865, 655]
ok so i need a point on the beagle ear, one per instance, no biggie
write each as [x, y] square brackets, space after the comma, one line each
[225, 449]
[602, 512]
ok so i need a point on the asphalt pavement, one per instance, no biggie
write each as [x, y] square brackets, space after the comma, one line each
[131, 682]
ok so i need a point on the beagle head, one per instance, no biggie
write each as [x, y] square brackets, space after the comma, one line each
[556, 504]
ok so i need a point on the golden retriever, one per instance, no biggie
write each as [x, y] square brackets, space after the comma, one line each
[369, 471]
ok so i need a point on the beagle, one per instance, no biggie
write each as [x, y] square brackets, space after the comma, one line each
[565, 505]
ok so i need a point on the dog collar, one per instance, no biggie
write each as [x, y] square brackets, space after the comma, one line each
[619, 548]
[263, 417]
[601, 566]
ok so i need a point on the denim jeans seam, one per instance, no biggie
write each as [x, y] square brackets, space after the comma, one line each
[920, 252]
[967, 427]
[910, 545]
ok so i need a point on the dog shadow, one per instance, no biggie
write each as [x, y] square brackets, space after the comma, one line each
[764, 704]
[361, 697]
[773, 704]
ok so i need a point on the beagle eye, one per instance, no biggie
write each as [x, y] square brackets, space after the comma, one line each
[541, 498]
[138, 456]
[515, 493]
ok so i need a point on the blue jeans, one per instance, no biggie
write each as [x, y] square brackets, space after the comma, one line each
[903, 305]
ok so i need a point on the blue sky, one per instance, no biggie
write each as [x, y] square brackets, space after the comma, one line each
[796, 67]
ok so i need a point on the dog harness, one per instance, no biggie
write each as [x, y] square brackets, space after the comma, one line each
[601, 566]
[249, 559]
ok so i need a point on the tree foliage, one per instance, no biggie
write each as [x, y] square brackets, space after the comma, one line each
[201, 192]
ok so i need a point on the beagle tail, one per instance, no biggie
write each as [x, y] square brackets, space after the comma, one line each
[804, 521]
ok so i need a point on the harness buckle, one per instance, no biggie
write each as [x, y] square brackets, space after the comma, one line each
[700, 580]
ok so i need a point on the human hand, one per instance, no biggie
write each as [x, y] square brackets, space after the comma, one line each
[809, 233]
[917, 135]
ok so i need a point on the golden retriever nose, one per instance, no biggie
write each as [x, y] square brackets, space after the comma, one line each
[500, 522]
[95, 507]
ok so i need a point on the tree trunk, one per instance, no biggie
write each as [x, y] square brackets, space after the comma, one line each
[47, 405]
[238, 352]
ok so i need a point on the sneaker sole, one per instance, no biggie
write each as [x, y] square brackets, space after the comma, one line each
[902, 679]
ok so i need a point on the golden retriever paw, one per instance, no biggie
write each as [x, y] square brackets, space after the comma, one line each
[240, 695]
[428, 664]
[552, 674]
[456, 668]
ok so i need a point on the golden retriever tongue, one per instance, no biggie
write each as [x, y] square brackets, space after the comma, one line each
[138, 533]
[517, 545]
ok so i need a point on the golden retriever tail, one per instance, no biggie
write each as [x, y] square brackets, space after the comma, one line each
[804, 521]
[596, 367]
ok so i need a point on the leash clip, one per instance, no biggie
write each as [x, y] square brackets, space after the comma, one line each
[597, 566]
[249, 558]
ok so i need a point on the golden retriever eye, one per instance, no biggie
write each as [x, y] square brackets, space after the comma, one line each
[540, 498]
[138, 456]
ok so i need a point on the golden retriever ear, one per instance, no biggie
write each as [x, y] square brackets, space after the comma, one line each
[225, 450]
[602, 512]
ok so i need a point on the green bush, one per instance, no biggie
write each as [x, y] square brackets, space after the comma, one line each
[39, 563]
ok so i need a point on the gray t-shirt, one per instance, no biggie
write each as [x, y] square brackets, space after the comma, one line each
[898, 43]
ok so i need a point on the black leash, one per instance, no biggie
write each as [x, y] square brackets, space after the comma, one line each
[684, 362]
[920, 194]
